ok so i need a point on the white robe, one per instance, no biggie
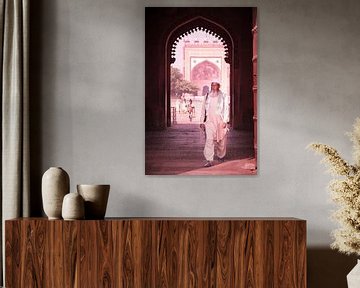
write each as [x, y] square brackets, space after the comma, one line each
[216, 111]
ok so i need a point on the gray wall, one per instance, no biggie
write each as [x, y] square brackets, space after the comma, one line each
[89, 87]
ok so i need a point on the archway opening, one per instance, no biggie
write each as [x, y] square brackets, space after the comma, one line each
[199, 58]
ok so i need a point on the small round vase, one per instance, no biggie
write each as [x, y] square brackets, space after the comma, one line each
[73, 207]
[96, 198]
[55, 185]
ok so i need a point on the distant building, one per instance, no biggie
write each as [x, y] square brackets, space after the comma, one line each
[203, 62]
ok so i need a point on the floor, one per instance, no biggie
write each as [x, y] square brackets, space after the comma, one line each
[179, 150]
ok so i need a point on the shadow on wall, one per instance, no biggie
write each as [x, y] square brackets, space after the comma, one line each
[36, 12]
[328, 268]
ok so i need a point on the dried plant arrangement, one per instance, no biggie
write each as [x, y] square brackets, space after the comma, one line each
[345, 192]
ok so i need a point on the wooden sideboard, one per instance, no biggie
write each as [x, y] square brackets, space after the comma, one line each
[156, 252]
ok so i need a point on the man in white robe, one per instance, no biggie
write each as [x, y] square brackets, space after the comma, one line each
[214, 120]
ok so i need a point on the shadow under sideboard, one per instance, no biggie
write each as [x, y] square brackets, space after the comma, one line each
[328, 268]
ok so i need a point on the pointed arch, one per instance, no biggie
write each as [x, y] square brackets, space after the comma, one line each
[198, 23]
[196, 29]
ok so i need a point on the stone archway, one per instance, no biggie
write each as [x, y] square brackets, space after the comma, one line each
[233, 27]
[198, 23]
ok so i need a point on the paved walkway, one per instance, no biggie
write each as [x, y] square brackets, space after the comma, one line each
[179, 150]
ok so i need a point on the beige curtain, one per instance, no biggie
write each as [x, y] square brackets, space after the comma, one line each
[14, 25]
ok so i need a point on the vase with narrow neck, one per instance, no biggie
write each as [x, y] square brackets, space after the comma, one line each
[353, 278]
[55, 185]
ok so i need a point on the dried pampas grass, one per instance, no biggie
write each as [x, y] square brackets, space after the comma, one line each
[345, 192]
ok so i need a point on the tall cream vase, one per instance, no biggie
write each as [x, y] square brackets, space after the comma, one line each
[55, 185]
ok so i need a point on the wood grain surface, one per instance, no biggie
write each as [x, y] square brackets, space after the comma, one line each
[153, 252]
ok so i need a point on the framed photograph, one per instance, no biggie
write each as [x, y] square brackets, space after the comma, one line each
[201, 90]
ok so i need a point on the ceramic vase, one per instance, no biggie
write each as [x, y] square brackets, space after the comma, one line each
[353, 278]
[73, 207]
[55, 185]
[96, 198]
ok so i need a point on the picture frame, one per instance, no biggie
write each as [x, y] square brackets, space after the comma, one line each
[214, 45]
